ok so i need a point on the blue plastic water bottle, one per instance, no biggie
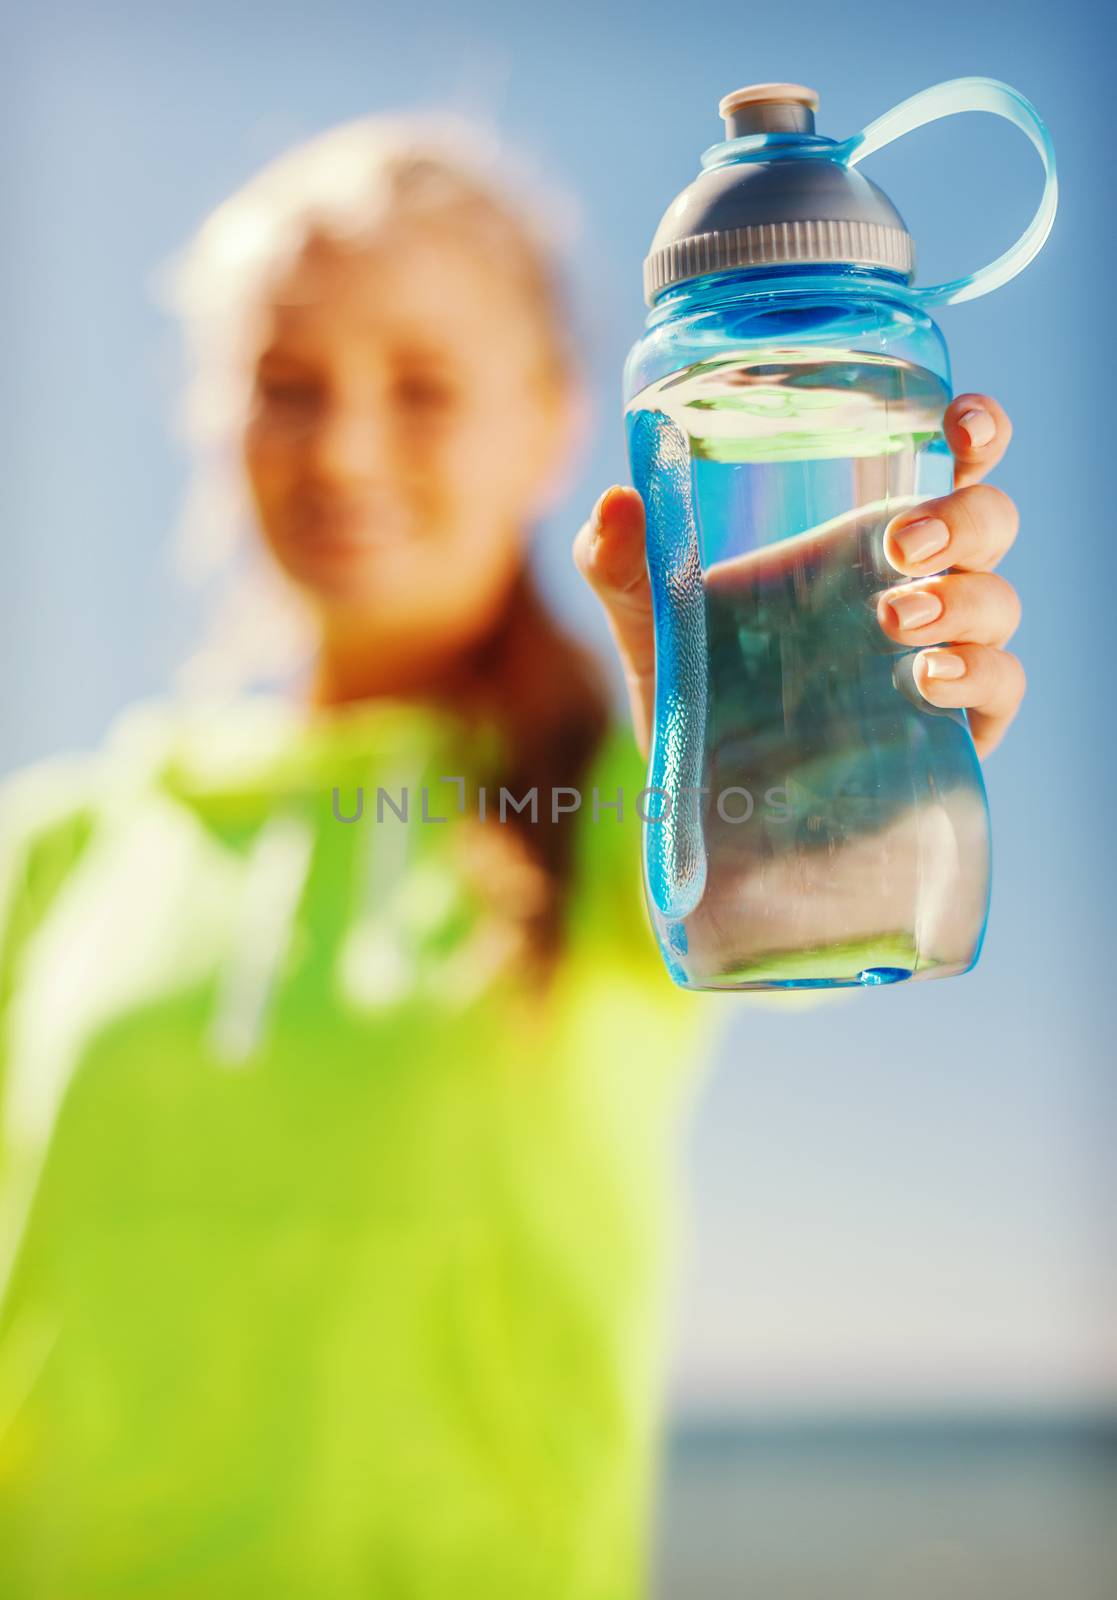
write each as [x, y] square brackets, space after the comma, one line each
[813, 821]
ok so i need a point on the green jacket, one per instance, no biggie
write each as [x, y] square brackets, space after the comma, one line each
[329, 1265]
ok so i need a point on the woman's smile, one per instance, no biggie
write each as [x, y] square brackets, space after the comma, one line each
[338, 525]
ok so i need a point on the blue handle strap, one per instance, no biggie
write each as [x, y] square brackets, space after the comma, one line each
[945, 100]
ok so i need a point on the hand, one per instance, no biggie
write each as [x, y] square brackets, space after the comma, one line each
[967, 606]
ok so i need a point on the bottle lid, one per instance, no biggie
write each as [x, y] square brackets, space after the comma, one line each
[768, 108]
[773, 193]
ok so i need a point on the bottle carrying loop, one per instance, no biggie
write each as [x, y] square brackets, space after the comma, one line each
[945, 100]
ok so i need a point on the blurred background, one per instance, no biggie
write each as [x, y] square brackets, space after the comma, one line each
[894, 1362]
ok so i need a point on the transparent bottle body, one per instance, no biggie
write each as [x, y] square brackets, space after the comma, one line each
[812, 821]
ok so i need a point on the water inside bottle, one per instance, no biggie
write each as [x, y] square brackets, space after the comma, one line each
[820, 823]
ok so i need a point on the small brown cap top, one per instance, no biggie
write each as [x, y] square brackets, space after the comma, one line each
[760, 93]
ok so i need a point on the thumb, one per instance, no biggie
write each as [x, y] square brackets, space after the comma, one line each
[609, 553]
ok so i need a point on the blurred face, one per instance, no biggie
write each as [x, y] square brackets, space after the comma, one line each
[406, 415]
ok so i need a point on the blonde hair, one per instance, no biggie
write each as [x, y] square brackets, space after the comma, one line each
[346, 182]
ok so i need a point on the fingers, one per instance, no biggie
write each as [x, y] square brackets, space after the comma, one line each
[609, 553]
[974, 607]
[970, 529]
[961, 537]
[989, 683]
[978, 432]
[976, 612]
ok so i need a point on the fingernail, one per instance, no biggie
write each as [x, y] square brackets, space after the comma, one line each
[599, 506]
[911, 608]
[944, 664]
[978, 426]
[920, 539]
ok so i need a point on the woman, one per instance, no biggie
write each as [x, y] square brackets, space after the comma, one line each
[338, 1150]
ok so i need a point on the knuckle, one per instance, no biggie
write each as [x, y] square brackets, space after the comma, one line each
[1017, 673]
[997, 599]
[1001, 505]
[981, 513]
[631, 587]
[1013, 608]
[999, 677]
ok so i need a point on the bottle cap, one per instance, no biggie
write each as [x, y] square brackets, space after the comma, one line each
[775, 192]
[769, 108]
[779, 197]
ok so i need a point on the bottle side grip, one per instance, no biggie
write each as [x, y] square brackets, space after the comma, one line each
[674, 848]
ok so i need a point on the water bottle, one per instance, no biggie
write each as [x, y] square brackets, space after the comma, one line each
[810, 820]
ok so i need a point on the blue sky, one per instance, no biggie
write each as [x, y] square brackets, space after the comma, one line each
[907, 1196]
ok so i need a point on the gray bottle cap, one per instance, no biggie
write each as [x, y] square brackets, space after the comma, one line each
[785, 204]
